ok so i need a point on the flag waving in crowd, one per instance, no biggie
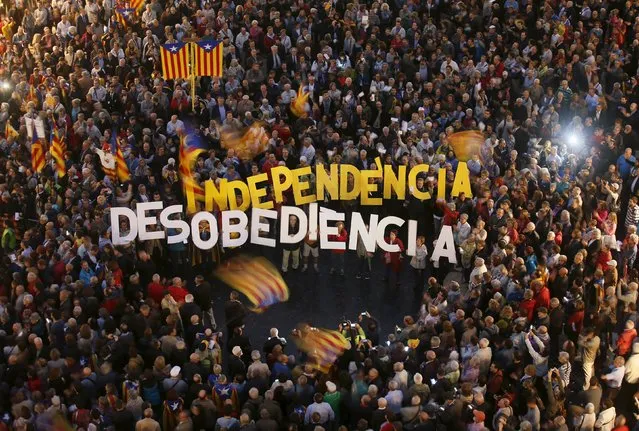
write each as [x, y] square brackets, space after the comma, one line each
[37, 152]
[323, 346]
[58, 148]
[122, 170]
[256, 278]
[123, 15]
[188, 157]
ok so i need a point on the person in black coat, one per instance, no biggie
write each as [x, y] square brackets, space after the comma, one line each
[234, 312]
[236, 366]
[122, 418]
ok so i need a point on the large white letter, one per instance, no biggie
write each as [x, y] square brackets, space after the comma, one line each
[381, 228]
[312, 221]
[325, 230]
[445, 245]
[144, 221]
[228, 228]
[180, 224]
[411, 247]
[358, 229]
[116, 212]
[195, 228]
[258, 226]
[285, 236]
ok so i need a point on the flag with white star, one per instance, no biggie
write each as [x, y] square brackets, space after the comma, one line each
[124, 15]
[209, 58]
[175, 60]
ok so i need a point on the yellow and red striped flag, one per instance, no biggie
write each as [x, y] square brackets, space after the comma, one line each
[323, 346]
[123, 15]
[58, 148]
[9, 131]
[209, 58]
[122, 170]
[188, 157]
[37, 153]
[175, 60]
[137, 4]
[256, 278]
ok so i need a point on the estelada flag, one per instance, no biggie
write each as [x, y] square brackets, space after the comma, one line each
[209, 58]
[188, 157]
[175, 60]
[123, 15]
[256, 278]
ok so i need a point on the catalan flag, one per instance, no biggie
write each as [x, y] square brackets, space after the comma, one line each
[323, 346]
[209, 58]
[256, 278]
[9, 131]
[188, 157]
[175, 60]
[122, 170]
[466, 144]
[123, 15]
[58, 148]
[137, 4]
[37, 153]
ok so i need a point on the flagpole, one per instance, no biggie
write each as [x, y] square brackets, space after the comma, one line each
[192, 46]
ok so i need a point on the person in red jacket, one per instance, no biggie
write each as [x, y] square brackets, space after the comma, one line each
[527, 306]
[337, 256]
[393, 260]
[624, 342]
[542, 294]
[177, 291]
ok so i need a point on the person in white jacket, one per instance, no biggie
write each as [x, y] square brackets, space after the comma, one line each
[586, 422]
[606, 419]
[418, 262]
[540, 361]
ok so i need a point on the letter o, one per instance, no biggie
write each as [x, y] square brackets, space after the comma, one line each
[195, 230]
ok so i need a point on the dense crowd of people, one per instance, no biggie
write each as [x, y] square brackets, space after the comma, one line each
[541, 332]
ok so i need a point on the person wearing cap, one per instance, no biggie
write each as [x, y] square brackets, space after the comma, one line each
[175, 382]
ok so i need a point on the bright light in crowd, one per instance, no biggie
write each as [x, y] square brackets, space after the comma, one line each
[573, 139]
[5, 85]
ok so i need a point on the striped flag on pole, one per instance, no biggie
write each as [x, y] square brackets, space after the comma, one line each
[188, 157]
[37, 153]
[209, 58]
[121, 167]
[58, 148]
[175, 60]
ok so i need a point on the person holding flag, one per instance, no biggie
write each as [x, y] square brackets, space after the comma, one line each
[58, 148]
[37, 151]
